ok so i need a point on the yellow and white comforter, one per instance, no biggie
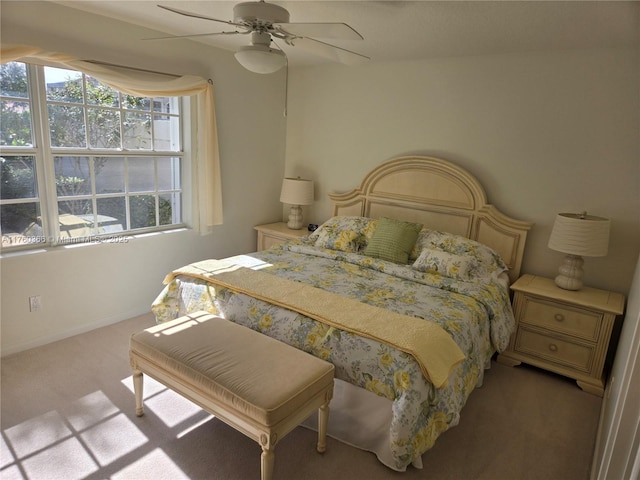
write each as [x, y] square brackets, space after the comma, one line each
[477, 315]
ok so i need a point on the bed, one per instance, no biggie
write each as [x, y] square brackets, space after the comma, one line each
[405, 289]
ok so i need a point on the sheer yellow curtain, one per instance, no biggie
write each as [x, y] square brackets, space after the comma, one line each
[206, 164]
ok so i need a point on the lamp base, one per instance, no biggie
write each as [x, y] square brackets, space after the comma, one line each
[295, 217]
[570, 273]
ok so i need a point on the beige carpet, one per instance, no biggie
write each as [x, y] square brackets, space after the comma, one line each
[68, 413]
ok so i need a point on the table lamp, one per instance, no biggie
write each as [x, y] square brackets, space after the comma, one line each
[296, 192]
[577, 235]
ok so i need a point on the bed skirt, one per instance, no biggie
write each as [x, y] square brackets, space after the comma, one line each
[362, 419]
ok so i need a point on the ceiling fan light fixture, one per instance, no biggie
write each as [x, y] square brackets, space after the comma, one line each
[260, 58]
[266, 20]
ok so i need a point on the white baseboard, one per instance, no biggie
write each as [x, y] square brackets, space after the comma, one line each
[38, 342]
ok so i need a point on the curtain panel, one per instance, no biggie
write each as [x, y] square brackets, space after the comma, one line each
[207, 184]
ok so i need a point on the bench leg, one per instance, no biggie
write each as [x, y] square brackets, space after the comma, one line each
[137, 390]
[323, 420]
[267, 459]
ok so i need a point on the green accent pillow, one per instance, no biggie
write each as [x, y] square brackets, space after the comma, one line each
[393, 240]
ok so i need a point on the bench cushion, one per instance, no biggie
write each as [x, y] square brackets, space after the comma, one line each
[254, 374]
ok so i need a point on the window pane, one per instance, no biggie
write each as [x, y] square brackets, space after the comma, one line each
[104, 128]
[143, 211]
[73, 176]
[166, 105]
[142, 177]
[15, 115]
[112, 214]
[21, 224]
[137, 131]
[136, 103]
[170, 208]
[15, 124]
[100, 94]
[75, 225]
[161, 104]
[13, 80]
[168, 173]
[166, 133]
[109, 173]
[18, 177]
[66, 125]
[74, 207]
[63, 85]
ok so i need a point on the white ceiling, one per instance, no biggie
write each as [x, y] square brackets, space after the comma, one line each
[408, 30]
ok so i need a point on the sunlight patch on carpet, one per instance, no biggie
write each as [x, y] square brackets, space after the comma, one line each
[105, 439]
[68, 459]
[171, 408]
[37, 433]
[89, 410]
[155, 461]
[71, 443]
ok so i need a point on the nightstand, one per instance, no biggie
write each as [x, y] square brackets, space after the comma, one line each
[563, 331]
[275, 233]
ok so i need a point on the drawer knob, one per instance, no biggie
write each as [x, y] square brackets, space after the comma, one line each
[559, 317]
[553, 347]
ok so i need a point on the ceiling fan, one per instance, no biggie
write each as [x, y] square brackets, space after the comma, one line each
[267, 22]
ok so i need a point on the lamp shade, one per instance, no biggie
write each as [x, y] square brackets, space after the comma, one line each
[297, 191]
[580, 235]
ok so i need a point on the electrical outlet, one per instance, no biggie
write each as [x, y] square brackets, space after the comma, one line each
[35, 304]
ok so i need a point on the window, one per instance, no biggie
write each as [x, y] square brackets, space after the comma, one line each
[81, 161]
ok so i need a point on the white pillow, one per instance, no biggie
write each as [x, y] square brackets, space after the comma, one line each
[446, 264]
[488, 263]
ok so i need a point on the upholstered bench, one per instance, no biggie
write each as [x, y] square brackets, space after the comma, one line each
[258, 385]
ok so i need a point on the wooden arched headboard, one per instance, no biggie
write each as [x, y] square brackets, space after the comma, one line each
[441, 196]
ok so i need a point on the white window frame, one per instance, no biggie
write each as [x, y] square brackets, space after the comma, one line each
[44, 155]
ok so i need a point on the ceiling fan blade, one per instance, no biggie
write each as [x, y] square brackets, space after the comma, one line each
[323, 30]
[332, 52]
[194, 35]
[197, 15]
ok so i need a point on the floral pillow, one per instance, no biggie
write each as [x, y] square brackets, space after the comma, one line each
[446, 264]
[488, 262]
[421, 243]
[343, 233]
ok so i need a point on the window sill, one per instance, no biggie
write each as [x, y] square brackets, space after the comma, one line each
[89, 242]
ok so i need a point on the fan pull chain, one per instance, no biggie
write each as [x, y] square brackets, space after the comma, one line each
[286, 77]
[286, 85]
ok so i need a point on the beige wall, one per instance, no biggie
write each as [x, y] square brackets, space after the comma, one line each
[82, 288]
[543, 132]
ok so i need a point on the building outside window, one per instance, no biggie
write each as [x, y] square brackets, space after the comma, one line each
[82, 162]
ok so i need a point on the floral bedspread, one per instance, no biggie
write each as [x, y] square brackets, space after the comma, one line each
[477, 315]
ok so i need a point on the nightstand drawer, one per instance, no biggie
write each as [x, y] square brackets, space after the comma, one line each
[561, 318]
[560, 351]
[273, 234]
[268, 242]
